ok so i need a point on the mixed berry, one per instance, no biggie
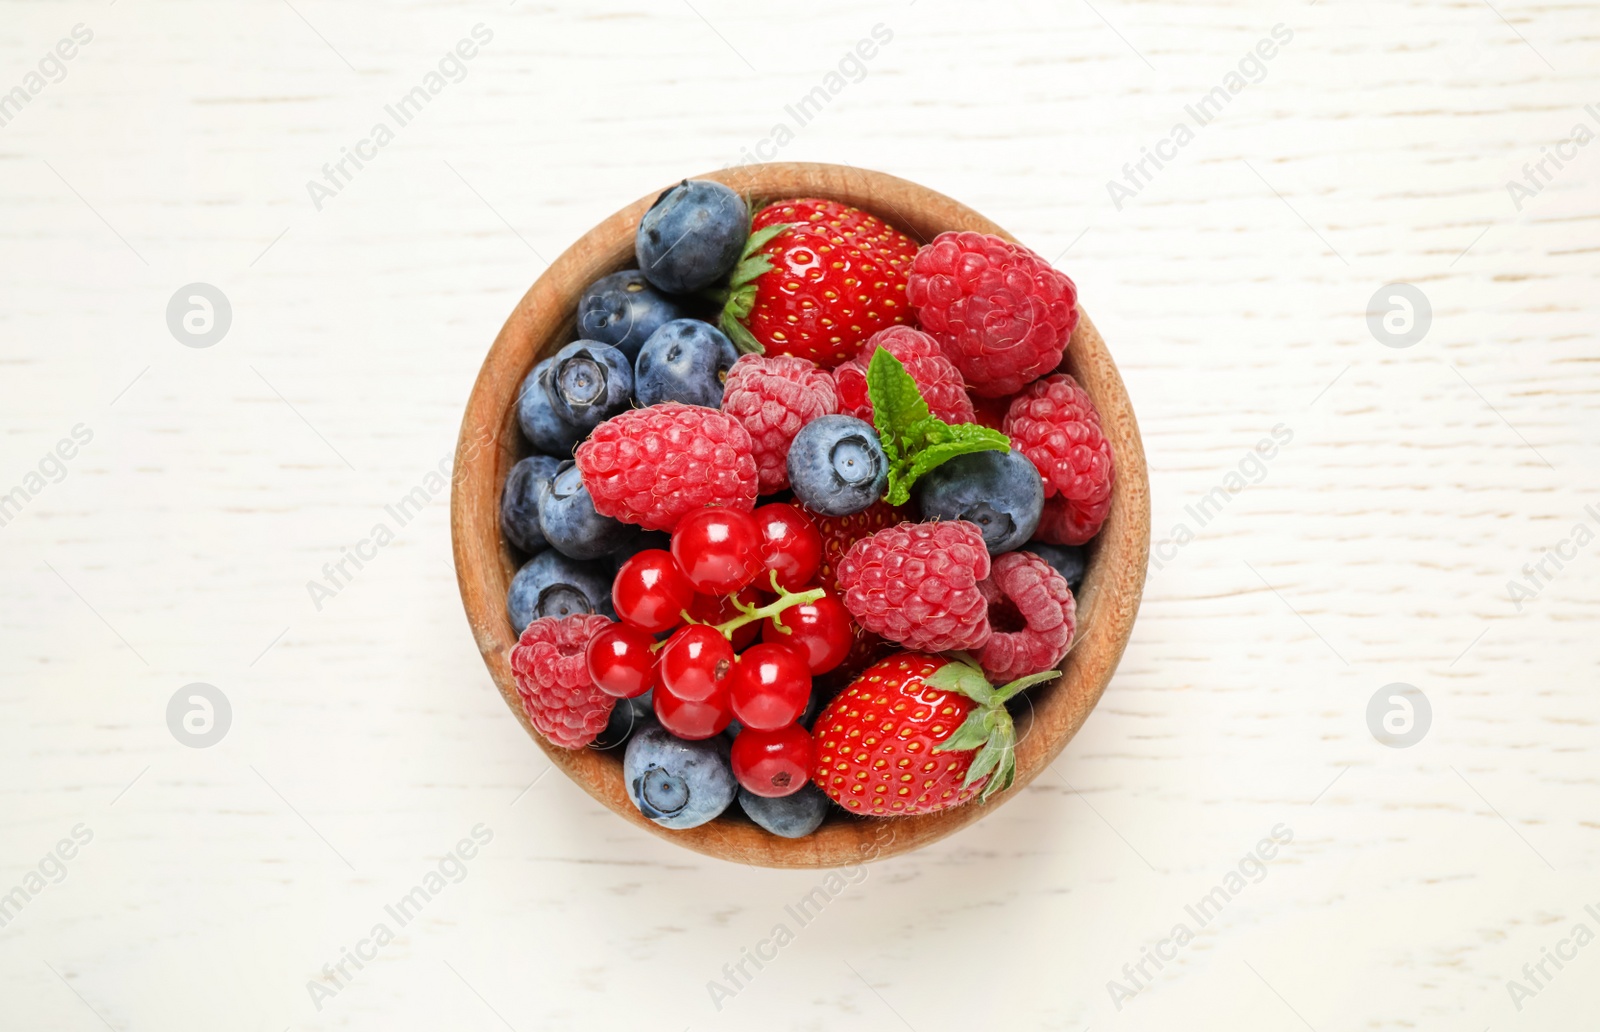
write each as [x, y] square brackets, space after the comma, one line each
[806, 512]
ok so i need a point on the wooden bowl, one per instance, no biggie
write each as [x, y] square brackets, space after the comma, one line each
[490, 444]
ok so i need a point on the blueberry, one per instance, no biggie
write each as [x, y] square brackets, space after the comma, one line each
[537, 415]
[685, 360]
[569, 522]
[643, 540]
[627, 716]
[999, 491]
[1069, 560]
[837, 466]
[623, 309]
[675, 783]
[589, 383]
[691, 237]
[550, 584]
[792, 816]
[519, 502]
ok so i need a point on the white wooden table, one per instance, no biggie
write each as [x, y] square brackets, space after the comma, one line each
[217, 886]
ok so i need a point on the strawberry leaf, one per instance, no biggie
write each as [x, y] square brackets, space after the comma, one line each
[973, 732]
[1004, 776]
[988, 728]
[752, 263]
[740, 298]
[988, 759]
[1014, 688]
[914, 440]
[732, 321]
[964, 678]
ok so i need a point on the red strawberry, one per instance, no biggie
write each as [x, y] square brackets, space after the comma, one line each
[916, 734]
[990, 412]
[816, 280]
[840, 532]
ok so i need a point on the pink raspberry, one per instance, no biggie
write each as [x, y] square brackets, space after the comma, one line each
[937, 377]
[1001, 312]
[917, 584]
[1027, 591]
[1054, 423]
[650, 466]
[552, 674]
[841, 532]
[773, 397]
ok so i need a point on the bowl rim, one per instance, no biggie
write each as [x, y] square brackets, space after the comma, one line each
[489, 443]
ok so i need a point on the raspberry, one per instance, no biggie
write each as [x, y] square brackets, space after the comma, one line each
[1024, 589]
[773, 397]
[650, 466]
[1054, 423]
[937, 377]
[552, 675]
[1065, 522]
[1001, 312]
[917, 584]
[840, 532]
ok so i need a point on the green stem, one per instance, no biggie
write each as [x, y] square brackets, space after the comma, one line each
[750, 614]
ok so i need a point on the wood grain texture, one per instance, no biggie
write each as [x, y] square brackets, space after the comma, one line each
[491, 444]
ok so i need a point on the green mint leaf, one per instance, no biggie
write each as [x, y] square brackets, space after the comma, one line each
[960, 440]
[914, 440]
[898, 413]
[896, 403]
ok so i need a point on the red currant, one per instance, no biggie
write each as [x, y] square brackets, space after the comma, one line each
[719, 550]
[821, 630]
[620, 661]
[772, 763]
[650, 591]
[692, 720]
[715, 609]
[791, 545]
[770, 686]
[695, 663]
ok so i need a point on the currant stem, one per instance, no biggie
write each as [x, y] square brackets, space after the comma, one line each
[750, 614]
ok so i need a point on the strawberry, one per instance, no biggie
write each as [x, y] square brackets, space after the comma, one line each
[840, 532]
[917, 733]
[816, 279]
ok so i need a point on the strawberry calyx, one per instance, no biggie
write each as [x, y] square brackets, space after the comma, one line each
[988, 728]
[740, 297]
